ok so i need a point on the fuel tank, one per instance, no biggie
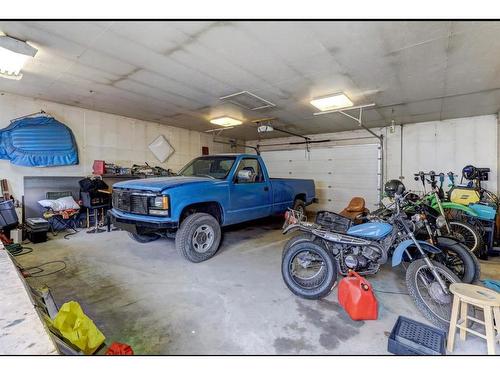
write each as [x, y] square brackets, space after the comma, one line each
[372, 231]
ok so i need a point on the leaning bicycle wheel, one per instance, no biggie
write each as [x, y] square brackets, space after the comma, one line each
[431, 300]
[468, 235]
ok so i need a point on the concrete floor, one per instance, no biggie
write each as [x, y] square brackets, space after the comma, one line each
[235, 303]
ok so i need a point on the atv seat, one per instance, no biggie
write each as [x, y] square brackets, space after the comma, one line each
[355, 209]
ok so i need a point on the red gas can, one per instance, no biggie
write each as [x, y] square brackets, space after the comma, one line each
[357, 298]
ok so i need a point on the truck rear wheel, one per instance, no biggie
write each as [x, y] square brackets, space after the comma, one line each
[198, 237]
[143, 238]
[300, 206]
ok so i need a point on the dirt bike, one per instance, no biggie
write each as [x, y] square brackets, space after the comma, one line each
[310, 267]
[454, 254]
[485, 204]
[467, 231]
[427, 224]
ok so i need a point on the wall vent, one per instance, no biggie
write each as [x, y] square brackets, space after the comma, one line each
[248, 100]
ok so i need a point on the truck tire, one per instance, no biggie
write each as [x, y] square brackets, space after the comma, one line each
[143, 238]
[198, 237]
[299, 205]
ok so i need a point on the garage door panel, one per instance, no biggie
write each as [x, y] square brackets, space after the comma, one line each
[339, 172]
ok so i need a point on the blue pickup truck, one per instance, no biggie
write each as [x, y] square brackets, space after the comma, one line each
[210, 192]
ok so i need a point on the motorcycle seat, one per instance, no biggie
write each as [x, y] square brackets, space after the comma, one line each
[355, 208]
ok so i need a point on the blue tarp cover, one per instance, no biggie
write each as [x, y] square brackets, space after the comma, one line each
[39, 141]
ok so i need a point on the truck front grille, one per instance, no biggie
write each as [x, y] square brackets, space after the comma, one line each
[133, 201]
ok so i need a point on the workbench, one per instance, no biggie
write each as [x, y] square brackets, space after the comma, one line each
[21, 328]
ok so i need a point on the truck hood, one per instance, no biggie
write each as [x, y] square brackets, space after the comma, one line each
[158, 184]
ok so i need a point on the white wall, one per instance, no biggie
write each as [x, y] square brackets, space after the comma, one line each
[101, 136]
[441, 146]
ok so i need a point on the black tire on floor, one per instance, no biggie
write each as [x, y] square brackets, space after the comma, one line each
[143, 238]
[198, 237]
[318, 286]
[301, 237]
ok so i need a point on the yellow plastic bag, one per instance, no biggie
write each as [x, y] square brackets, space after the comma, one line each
[78, 328]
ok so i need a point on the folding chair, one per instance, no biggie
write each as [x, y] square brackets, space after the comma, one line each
[56, 220]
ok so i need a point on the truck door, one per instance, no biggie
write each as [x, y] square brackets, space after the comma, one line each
[250, 192]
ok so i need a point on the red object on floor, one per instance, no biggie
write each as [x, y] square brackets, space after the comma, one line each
[5, 240]
[98, 167]
[357, 298]
[117, 348]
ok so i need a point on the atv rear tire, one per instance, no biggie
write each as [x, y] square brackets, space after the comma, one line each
[302, 237]
[321, 283]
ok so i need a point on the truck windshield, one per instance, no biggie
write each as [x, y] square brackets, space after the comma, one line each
[209, 166]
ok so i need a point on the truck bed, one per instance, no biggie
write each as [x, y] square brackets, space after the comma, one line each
[285, 190]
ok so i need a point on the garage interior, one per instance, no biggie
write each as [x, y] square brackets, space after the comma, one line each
[141, 99]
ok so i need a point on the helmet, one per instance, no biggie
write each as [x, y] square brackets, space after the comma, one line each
[412, 197]
[394, 187]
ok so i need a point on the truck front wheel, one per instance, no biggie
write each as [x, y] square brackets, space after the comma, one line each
[198, 237]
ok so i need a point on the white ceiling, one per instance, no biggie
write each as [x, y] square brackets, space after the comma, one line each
[174, 72]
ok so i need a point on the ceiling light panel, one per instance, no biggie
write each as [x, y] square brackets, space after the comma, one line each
[331, 102]
[13, 55]
[225, 121]
[248, 101]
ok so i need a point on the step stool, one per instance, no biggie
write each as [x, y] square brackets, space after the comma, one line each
[486, 299]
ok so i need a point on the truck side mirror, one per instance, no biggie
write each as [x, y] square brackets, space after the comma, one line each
[244, 176]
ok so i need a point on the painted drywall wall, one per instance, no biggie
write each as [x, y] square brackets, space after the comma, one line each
[441, 146]
[101, 136]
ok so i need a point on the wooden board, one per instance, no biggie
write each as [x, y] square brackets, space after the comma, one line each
[22, 331]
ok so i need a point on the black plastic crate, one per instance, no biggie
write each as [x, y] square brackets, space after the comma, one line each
[36, 237]
[8, 215]
[333, 221]
[409, 337]
[37, 224]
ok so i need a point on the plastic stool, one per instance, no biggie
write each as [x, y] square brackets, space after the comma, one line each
[483, 298]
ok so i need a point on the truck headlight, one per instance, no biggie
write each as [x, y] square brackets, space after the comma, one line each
[440, 221]
[161, 206]
[161, 202]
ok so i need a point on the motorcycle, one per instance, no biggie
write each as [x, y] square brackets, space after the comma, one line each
[467, 232]
[427, 225]
[482, 202]
[310, 267]
[454, 254]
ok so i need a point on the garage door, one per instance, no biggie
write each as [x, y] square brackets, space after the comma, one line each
[339, 172]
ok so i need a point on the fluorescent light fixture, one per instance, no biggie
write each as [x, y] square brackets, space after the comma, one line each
[13, 55]
[225, 121]
[330, 102]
